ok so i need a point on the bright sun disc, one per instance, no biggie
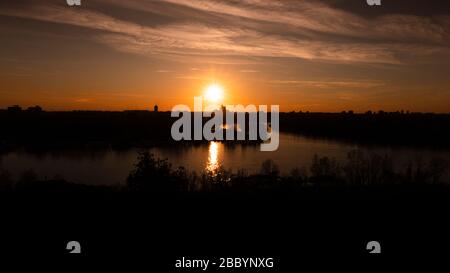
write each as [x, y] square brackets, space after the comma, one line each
[214, 93]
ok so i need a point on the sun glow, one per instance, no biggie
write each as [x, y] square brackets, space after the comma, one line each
[214, 93]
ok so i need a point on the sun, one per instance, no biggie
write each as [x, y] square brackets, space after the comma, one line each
[214, 93]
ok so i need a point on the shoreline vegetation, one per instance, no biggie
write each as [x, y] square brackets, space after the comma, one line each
[41, 130]
[361, 171]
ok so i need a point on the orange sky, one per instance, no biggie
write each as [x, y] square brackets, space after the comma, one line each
[301, 55]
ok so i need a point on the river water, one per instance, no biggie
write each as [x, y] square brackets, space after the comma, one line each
[111, 167]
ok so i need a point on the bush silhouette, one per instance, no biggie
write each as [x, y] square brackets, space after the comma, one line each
[154, 174]
[269, 168]
[368, 169]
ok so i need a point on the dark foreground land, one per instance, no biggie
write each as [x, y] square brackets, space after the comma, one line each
[328, 212]
[162, 214]
[319, 227]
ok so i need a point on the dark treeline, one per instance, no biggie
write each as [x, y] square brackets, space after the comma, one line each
[96, 128]
[40, 129]
[370, 173]
[396, 128]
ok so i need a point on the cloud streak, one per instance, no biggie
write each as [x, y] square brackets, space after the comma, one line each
[331, 84]
[310, 30]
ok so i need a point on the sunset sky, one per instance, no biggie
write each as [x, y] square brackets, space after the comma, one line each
[306, 55]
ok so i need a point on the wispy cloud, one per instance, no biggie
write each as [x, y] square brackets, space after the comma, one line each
[319, 17]
[310, 30]
[83, 100]
[331, 84]
[164, 71]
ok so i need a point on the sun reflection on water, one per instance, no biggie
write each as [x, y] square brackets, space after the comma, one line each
[213, 164]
